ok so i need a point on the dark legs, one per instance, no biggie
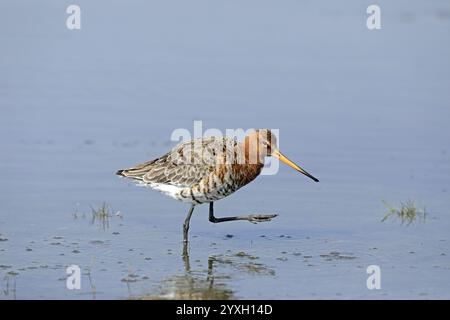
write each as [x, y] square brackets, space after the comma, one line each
[186, 224]
[253, 218]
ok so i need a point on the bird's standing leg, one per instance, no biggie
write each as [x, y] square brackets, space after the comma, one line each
[185, 256]
[185, 252]
[186, 224]
[253, 218]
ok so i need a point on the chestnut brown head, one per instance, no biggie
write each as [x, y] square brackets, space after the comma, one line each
[262, 143]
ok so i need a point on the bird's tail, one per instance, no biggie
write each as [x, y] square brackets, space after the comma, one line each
[137, 172]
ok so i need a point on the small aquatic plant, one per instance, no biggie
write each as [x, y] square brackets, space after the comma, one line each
[407, 212]
[102, 214]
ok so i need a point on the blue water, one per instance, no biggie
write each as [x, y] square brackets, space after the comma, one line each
[367, 112]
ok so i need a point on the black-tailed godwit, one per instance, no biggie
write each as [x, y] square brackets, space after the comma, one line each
[208, 169]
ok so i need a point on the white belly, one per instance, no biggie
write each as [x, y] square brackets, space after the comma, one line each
[169, 190]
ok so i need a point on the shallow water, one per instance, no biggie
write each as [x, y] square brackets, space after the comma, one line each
[367, 112]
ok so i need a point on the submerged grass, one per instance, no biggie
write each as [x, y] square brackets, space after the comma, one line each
[407, 212]
[102, 214]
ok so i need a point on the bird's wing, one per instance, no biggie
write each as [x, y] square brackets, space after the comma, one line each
[186, 164]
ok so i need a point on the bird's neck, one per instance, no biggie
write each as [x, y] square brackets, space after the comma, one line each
[252, 152]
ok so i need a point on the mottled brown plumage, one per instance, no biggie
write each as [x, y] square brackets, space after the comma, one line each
[209, 169]
[198, 171]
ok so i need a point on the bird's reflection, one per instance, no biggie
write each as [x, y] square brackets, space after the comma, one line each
[209, 284]
[9, 290]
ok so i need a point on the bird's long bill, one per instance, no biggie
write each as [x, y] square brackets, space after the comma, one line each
[283, 158]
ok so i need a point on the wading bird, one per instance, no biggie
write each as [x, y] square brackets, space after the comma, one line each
[208, 169]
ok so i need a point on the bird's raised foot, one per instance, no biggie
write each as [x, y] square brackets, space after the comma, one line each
[256, 218]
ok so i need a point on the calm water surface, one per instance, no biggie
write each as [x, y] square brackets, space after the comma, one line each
[367, 112]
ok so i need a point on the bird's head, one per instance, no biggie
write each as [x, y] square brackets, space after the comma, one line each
[262, 143]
